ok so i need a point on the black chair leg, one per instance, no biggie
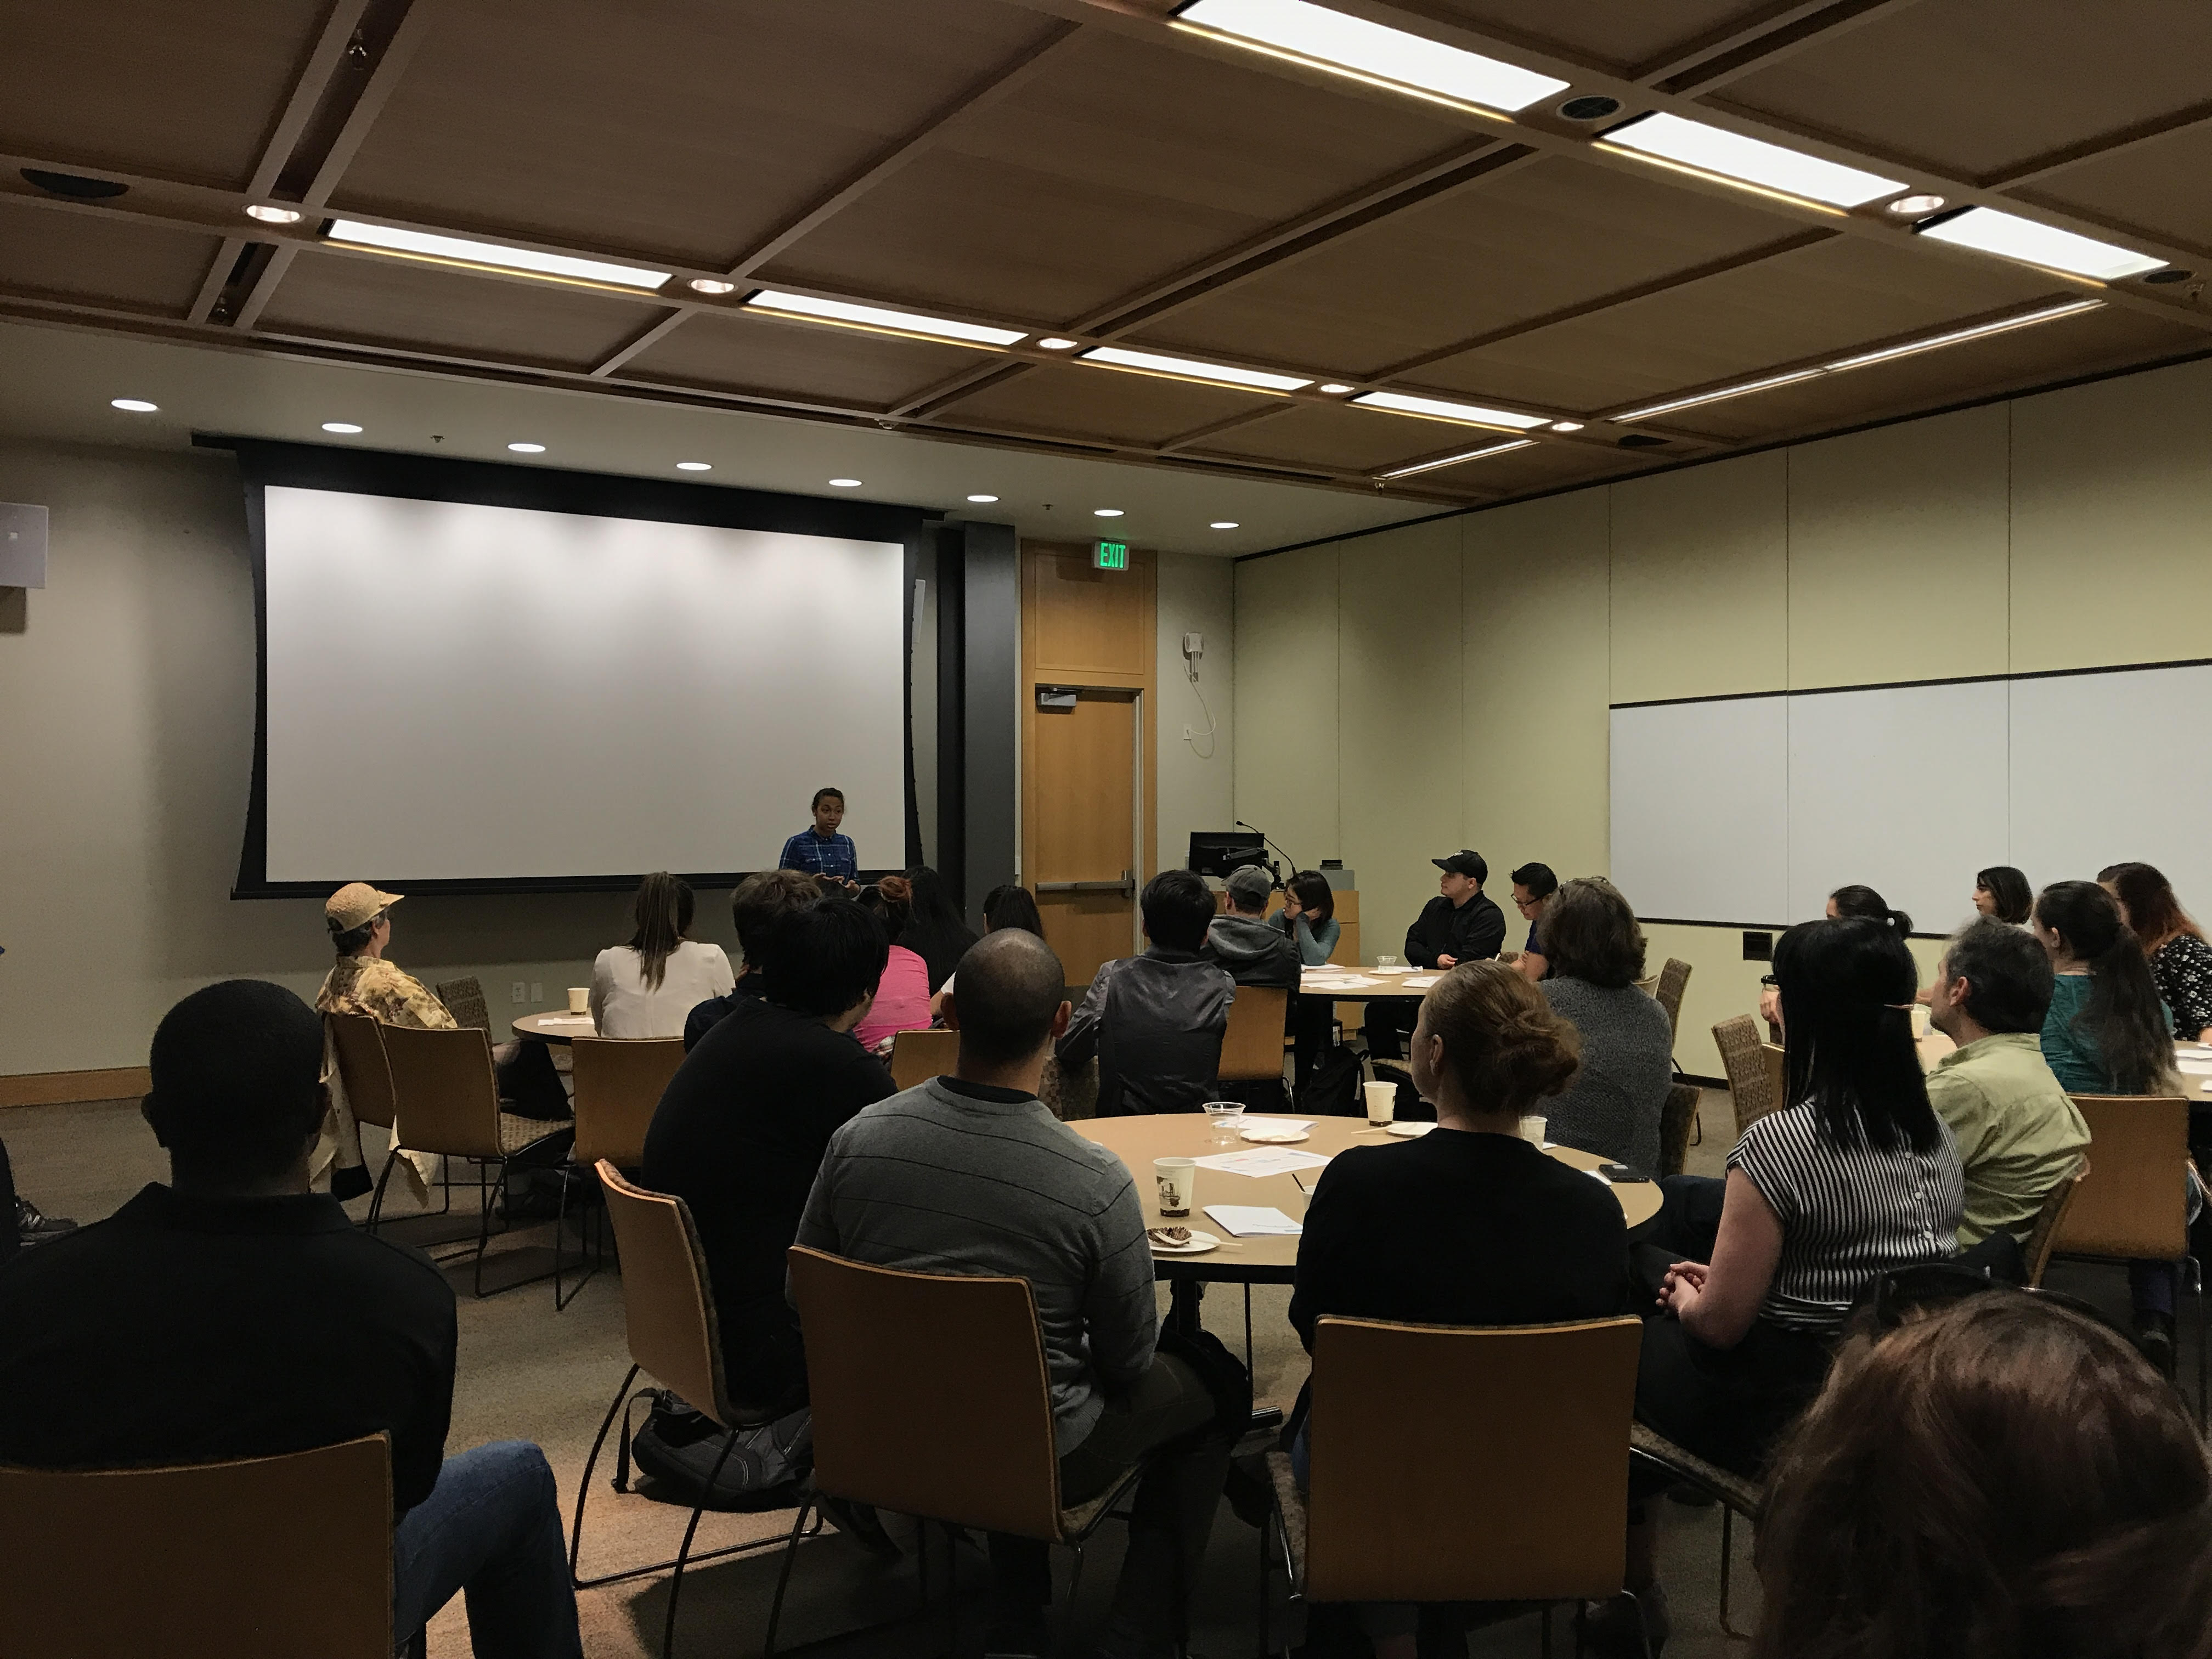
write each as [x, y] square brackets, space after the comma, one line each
[584, 1486]
[683, 1552]
[791, 1555]
[419, 1647]
[376, 1204]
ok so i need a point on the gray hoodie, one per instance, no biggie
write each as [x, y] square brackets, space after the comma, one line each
[1254, 950]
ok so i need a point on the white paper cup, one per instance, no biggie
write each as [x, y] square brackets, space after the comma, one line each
[1532, 1130]
[1921, 1014]
[1176, 1177]
[1381, 1102]
[579, 999]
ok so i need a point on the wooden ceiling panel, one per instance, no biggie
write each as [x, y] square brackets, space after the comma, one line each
[1100, 403]
[833, 365]
[399, 302]
[1621, 34]
[2159, 185]
[1120, 163]
[76, 255]
[1323, 434]
[1534, 239]
[1971, 87]
[1818, 300]
[686, 129]
[152, 87]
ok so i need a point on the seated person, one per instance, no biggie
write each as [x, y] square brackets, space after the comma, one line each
[645, 988]
[935, 931]
[2003, 892]
[1532, 887]
[740, 1129]
[1852, 901]
[1595, 951]
[1470, 1225]
[1461, 924]
[1308, 918]
[2058, 1491]
[760, 899]
[234, 1313]
[902, 1001]
[2018, 1131]
[1242, 940]
[970, 1174]
[2180, 961]
[1156, 1021]
[1009, 905]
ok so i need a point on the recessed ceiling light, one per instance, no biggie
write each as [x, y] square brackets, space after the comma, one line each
[273, 215]
[1335, 388]
[711, 285]
[1370, 53]
[1911, 207]
[527, 449]
[1735, 160]
[1222, 524]
[340, 426]
[2171, 274]
[1454, 460]
[694, 466]
[1186, 369]
[844, 483]
[1713, 397]
[1565, 426]
[2011, 237]
[1105, 512]
[1595, 107]
[878, 317]
[457, 250]
[1980, 330]
[983, 498]
[135, 405]
[1054, 342]
[1435, 409]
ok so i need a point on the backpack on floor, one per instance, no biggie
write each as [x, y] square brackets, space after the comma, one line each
[1332, 1088]
[678, 1446]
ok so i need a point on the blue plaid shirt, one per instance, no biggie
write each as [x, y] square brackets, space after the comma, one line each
[820, 856]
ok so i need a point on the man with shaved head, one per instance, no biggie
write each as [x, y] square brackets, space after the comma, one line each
[971, 1174]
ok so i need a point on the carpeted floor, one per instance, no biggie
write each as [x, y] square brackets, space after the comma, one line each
[529, 1373]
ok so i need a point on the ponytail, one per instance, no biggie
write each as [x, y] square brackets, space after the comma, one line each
[2124, 1017]
[1857, 903]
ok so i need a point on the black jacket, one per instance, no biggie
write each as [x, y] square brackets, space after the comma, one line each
[1468, 933]
[1156, 1022]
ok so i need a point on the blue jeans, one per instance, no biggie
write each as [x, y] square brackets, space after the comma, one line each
[491, 1529]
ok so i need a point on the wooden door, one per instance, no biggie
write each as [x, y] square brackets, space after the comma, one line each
[1085, 849]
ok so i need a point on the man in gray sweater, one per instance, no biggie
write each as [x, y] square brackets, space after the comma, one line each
[970, 1174]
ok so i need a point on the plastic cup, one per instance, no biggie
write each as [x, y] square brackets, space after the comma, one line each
[579, 999]
[1176, 1177]
[1223, 1115]
[1532, 1130]
[1382, 1102]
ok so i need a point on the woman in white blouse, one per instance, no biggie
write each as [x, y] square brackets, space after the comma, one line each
[646, 987]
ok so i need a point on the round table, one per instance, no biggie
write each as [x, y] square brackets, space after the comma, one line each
[1368, 984]
[1138, 1141]
[557, 1027]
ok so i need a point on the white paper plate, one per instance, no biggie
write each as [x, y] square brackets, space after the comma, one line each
[1273, 1137]
[1201, 1242]
[1411, 1131]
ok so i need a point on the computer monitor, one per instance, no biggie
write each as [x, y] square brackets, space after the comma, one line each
[1218, 851]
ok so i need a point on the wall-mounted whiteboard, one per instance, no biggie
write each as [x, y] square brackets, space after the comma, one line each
[1750, 811]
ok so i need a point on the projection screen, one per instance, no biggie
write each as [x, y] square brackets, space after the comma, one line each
[457, 692]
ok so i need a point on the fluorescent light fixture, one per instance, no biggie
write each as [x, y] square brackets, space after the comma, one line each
[694, 466]
[340, 426]
[1116, 357]
[1435, 409]
[1454, 460]
[527, 449]
[133, 405]
[273, 215]
[1565, 426]
[986, 499]
[1053, 343]
[1222, 524]
[877, 316]
[1692, 401]
[844, 483]
[711, 285]
[1335, 388]
[1372, 52]
[2005, 325]
[421, 245]
[1737, 160]
[2011, 237]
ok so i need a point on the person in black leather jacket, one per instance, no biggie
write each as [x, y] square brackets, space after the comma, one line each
[1156, 1021]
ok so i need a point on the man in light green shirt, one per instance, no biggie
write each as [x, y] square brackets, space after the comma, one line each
[2019, 1133]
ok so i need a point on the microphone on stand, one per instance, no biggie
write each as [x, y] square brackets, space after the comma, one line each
[1263, 834]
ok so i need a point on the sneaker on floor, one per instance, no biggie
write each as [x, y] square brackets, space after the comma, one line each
[34, 1227]
[2155, 1337]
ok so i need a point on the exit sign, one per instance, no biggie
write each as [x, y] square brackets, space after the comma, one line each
[1110, 555]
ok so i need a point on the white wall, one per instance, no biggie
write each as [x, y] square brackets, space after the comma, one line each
[1193, 777]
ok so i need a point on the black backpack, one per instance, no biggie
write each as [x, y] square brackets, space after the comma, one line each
[1331, 1089]
[679, 1448]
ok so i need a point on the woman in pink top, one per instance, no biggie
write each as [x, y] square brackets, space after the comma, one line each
[902, 997]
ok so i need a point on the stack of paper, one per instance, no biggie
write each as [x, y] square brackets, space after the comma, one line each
[1253, 1221]
[1275, 1126]
[1263, 1161]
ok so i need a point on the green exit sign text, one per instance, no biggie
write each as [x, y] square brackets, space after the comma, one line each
[1110, 555]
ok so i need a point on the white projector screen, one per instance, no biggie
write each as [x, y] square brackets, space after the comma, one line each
[1750, 811]
[457, 692]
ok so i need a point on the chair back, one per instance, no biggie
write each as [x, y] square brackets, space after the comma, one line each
[918, 1056]
[362, 1067]
[444, 1090]
[2134, 1205]
[1751, 1088]
[1673, 980]
[619, 1082]
[929, 1394]
[2043, 1236]
[266, 1558]
[1252, 1046]
[1460, 1464]
[464, 1000]
[668, 1303]
[1675, 1118]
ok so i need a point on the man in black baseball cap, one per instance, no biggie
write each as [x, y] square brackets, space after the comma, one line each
[1459, 925]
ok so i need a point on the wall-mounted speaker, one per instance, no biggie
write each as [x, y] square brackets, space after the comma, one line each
[23, 545]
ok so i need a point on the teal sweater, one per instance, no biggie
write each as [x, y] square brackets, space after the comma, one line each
[1314, 945]
[2070, 1050]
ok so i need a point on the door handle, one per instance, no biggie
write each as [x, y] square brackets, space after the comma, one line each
[1127, 887]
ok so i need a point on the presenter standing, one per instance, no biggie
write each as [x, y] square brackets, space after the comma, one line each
[821, 851]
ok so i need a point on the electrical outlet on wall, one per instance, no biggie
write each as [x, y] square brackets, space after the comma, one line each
[537, 991]
[515, 992]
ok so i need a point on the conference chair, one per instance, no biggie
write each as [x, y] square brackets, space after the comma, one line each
[1736, 1495]
[2035, 1254]
[1675, 1118]
[918, 1056]
[1498, 1471]
[619, 1082]
[1752, 1092]
[2134, 1205]
[1673, 980]
[930, 1399]
[365, 1077]
[464, 1000]
[1251, 1044]
[447, 1101]
[668, 1312]
[263, 1558]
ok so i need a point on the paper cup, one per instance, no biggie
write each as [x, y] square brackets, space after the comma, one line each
[1532, 1130]
[1381, 1102]
[579, 999]
[1176, 1177]
[1920, 1017]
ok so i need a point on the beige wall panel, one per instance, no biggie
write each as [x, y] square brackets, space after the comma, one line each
[1701, 580]
[1285, 679]
[1897, 542]
[1534, 781]
[2112, 544]
[1195, 783]
[1401, 743]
